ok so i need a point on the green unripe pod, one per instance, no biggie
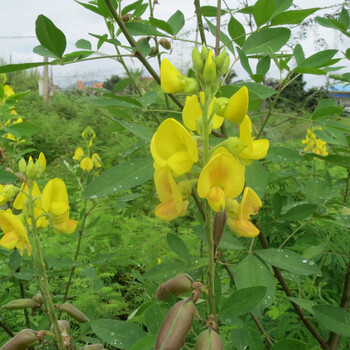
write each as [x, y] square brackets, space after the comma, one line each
[176, 325]
[165, 43]
[71, 310]
[38, 298]
[21, 340]
[92, 347]
[197, 60]
[19, 304]
[208, 340]
[176, 286]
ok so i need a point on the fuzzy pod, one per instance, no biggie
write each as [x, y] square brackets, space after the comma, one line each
[165, 43]
[92, 347]
[63, 325]
[21, 340]
[126, 17]
[208, 340]
[20, 304]
[176, 325]
[71, 310]
[38, 298]
[176, 286]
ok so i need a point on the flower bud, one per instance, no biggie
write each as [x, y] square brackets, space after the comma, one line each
[165, 43]
[205, 52]
[198, 62]
[224, 68]
[72, 311]
[22, 165]
[3, 78]
[209, 71]
[208, 340]
[190, 86]
[21, 340]
[19, 304]
[220, 106]
[219, 60]
[237, 106]
[234, 145]
[176, 325]
[176, 286]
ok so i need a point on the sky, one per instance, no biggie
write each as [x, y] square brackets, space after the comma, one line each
[17, 37]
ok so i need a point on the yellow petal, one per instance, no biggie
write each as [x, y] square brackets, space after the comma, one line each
[191, 112]
[250, 204]
[96, 160]
[216, 199]
[237, 106]
[54, 198]
[170, 78]
[86, 164]
[64, 224]
[243, 227]
[78, 154]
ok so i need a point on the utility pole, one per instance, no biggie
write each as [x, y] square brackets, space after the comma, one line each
[46, 81]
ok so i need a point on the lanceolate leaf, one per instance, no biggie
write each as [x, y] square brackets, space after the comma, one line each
[236, 31]
[50, 36]
[292, 17]
[263, 10]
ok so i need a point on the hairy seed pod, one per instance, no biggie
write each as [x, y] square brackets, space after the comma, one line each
[71, 310]
[176, 325]
[126, 17]
[176, 286]
[21, 340]
[38, 298]
[63, 325]
[165, 43]
[20, 304]
[92, 347]
[208, 340]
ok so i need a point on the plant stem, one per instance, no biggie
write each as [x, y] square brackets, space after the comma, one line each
[199, 21]
[218, 21]
[43, 281]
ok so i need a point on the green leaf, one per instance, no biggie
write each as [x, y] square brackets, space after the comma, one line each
[343, 161]
[96, 9]
[121, 177]
[146, 343]
[131, 7]
[277, 204]
[266, 39]
[244, 61]
[50, 36]
[141, 29]
[83, 44]
[140, 10]
[165, 270]
[15, 260]
[263, 65]
[178, 246]
[159, 23]
[42, 51]
[318, 60]
[330, 23]
[256, 178]
[290, 344]
[236, 31]
[141, 309]
[139, 131]
[299, 212]
[262, 11]
[154, 317]
[304, 303]
[7, 68]
[315, 191]
[334, 318]
[143, 46]
[120, 334]
[21, 130]
[326, 107]
[7, 177]
[134, 147]
[211, 11]
[315, 250]
[282, 5]
[292, 17]
[242, 301]
[283, 154]
[298, 54]
[240, 339]
[230, 242]
[289, 261]
[223, 37]
[176, 21]
[148, 98]
[252, 272]
[122, 84]
[342, 77]
[344, 19]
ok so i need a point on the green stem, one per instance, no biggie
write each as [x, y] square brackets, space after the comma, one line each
[199, 21]
[43, 280]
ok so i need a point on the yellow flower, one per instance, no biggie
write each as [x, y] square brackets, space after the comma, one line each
[54, 198]
[88, 134]
[173, 146]
[86, 164]
[7, 192]
[78, 154]
[253, 149]
[238, 215]
[192, 113]
[64, 224]
[96, 160]
[221, 178]
[237, 106]
[314, 144]
[8, 91]
[15, 232]
[170, 78]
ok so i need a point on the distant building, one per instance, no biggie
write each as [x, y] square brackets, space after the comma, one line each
[340, 93]
[92, 83]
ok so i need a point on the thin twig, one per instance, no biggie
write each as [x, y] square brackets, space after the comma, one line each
[287, 291]
[6, 328]
[218, 22]
[199, 20]
[138, 53]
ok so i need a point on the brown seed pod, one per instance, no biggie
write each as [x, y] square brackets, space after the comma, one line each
[63, 325]
[92, 347]
[38, 298]
[176, 325]
[176, 286]
[126, 17]
[20, 304]
[165, 43]
[21, 340]
[72, 311]
[208, 340]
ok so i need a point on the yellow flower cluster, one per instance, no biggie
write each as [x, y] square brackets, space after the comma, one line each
[87, 163]
[49, 207]
[314, 144]
[175, 150]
